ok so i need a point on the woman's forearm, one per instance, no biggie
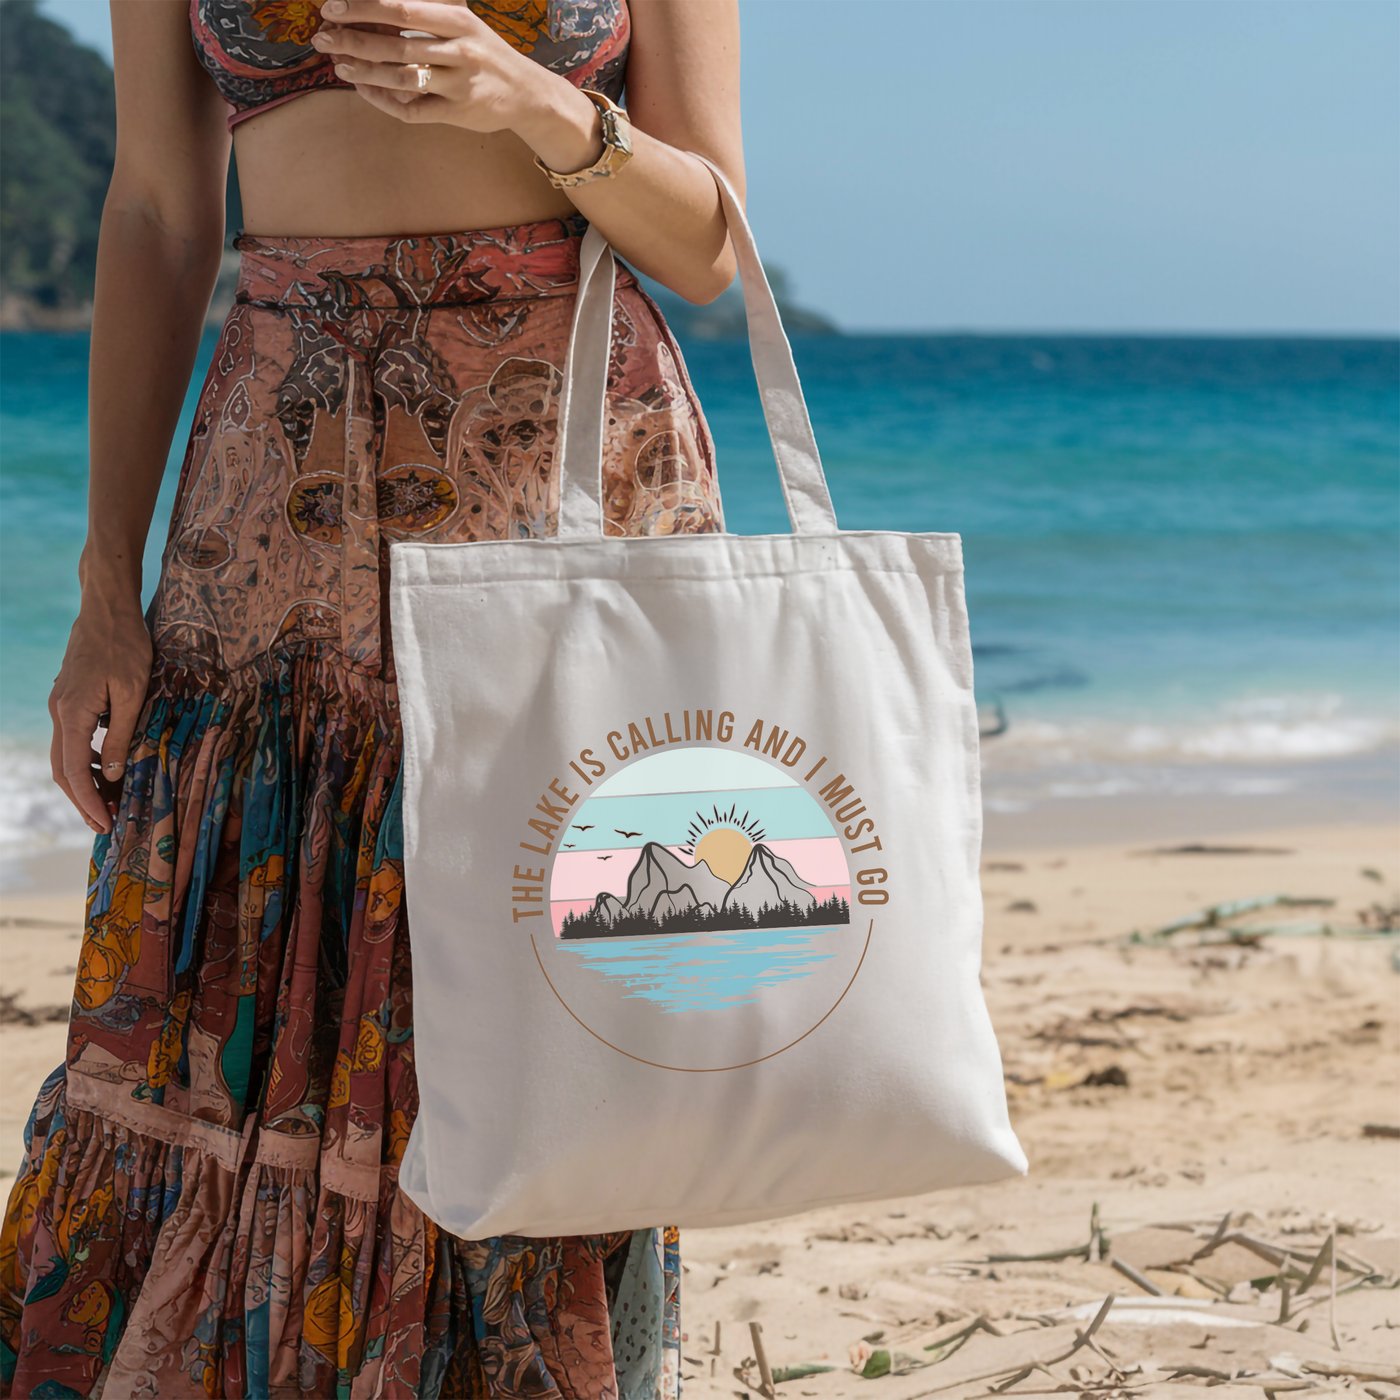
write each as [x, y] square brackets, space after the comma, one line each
[153, 290]
[660, 211]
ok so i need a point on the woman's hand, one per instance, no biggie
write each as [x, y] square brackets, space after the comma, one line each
[474, 79]
[661, 210]
[105, 673]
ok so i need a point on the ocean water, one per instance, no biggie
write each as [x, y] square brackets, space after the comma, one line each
[1182, 555]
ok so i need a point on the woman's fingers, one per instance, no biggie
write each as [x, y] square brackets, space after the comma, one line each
[56, 765]
[343, 43]
[447, 20]
[383, 61]
[100, 686]
[121, 725]
[391, 77]
[75, 720]
[404, 105]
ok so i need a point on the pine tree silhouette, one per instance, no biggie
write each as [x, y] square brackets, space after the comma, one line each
[638, 924]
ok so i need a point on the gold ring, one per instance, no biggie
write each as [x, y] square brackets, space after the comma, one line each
[425, 75]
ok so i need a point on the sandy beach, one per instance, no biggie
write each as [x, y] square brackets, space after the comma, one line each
[1162, 1083]
[1245, 1064]
[1103, 300]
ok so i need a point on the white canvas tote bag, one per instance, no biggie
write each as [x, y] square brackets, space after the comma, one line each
[691, 837]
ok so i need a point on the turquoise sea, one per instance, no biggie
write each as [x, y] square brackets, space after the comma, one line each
[1183, 555]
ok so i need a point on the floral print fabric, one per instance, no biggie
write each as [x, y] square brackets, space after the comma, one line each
[208, 1203]
[259, 52]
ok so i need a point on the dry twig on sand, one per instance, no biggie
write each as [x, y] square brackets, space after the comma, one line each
[946, 1345]
[1142, 1281]
[1082, 1339]
[1355, 1370]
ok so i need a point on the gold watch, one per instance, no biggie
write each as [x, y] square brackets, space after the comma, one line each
[617, 146]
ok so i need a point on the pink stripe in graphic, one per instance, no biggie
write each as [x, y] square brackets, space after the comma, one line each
[818, 860]
[582, 875]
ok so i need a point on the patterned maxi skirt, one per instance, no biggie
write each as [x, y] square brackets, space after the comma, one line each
[208, 1203]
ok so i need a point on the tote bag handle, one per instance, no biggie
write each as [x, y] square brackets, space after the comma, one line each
[582, 408]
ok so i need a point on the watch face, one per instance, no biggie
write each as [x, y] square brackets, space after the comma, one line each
[616, 135]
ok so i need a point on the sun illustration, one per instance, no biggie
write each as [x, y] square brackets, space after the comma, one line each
[723, 841]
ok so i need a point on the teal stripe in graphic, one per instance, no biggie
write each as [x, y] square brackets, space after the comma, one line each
[784, 814]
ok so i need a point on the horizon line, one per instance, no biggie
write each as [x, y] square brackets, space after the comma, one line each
[1003, 333]
[941, 333]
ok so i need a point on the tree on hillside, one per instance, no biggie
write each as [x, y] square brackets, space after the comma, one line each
[57, 142]
[58, 138]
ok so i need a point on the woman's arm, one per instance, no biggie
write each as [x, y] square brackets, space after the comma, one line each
[661, 210]
[157, 262]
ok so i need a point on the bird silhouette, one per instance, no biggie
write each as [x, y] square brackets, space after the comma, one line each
[604, 857]
[628, 834]
[569, 845]
[583, 828]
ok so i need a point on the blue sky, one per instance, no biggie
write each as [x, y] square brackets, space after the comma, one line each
[1116, 165]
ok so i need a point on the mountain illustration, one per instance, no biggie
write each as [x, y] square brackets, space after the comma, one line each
[768, 880]
[665, 895]
[660, 876]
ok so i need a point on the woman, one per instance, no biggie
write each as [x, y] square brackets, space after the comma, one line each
[209, 1201]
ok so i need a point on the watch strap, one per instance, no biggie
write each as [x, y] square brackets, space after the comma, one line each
[617, 146]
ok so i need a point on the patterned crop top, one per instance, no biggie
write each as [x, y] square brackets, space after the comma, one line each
[259, 51]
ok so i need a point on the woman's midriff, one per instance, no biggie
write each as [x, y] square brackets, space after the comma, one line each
[328, 164]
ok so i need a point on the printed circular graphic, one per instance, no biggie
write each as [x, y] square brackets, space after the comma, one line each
[700, 910]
